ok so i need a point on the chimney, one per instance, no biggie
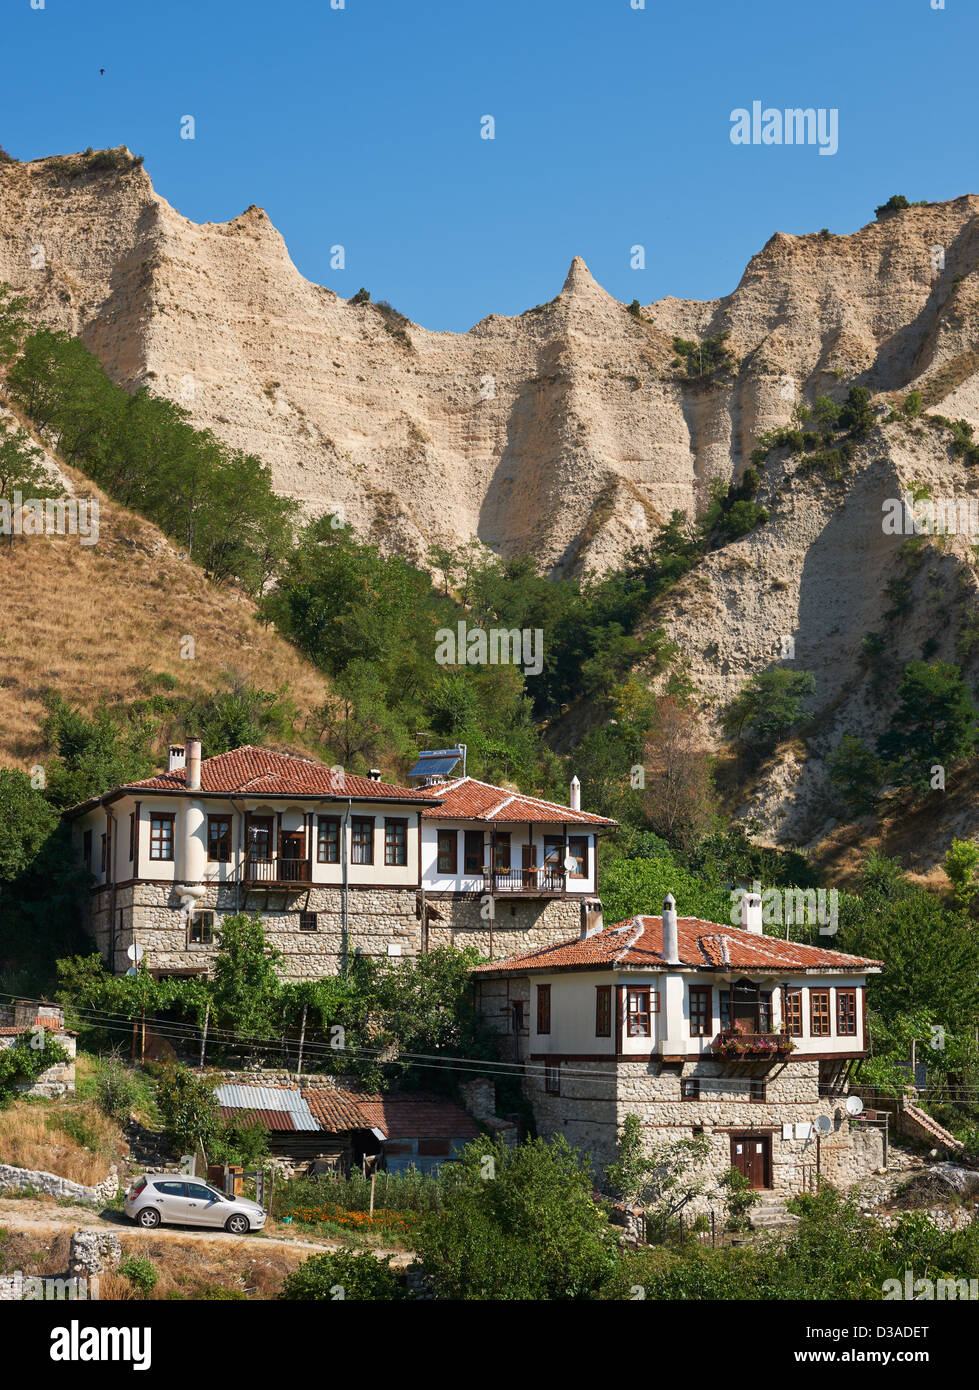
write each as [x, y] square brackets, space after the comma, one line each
[193, 764]
[751, 912]
[671, 935]
[592, 919]
[375, 774]
[575, 802]
[176, 757]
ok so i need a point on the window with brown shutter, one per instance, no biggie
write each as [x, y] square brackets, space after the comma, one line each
[701, 1011]
[395, 842]
[473, 852]
[543, 1008]
[448, 851]
[161, 835]
[132, 836]
[603, 1011]
[846, 1013]
[638, 1021]
[362, 840]
[793, 1013]
[202, 928]
[690, 1088]
[219, 839]
[328, 840]
[578, 850]
[819, 1013]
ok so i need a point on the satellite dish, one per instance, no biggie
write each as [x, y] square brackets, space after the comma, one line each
[135, 952]
[824, 1124]
[854, 1105]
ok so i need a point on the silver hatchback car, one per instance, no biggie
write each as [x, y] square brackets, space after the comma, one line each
[158, 1197]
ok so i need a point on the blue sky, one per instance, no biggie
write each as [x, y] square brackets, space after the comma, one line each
[361, 127]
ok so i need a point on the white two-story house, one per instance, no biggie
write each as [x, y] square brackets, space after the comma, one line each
[698, 1027]
[334, 863]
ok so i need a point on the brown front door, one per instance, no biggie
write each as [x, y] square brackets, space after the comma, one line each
[529, 864]
[751, 1154]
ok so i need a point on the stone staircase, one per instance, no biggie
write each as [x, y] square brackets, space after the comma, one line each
[770, 1214]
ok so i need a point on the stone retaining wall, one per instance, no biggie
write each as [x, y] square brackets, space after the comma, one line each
[17, 1179]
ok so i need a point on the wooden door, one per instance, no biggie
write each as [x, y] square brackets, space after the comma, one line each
[529, 864]
[751, 1156]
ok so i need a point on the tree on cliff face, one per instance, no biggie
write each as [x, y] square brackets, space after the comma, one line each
[679, 800]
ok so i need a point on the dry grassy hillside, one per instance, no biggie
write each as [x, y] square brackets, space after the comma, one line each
[93, 621]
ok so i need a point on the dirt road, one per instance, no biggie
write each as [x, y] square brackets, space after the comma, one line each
[36, 1217]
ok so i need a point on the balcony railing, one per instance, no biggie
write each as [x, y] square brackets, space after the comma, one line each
[529, 881]
[732, 1042]
[277, 870]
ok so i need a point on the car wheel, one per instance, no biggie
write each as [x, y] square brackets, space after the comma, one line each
[148, 1217]
[237, 1225]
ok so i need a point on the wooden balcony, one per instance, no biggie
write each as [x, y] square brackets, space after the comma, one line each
[734, 1044]
[277, 872]
[526, 883]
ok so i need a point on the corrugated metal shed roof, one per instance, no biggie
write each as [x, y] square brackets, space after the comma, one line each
[277, 1099]
[283, 1121]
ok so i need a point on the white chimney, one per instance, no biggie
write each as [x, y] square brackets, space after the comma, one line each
[374, 775]
[193, 764]
[176, 757]
[592, 919]
[671, 934]
[575, 802]
[751, 912]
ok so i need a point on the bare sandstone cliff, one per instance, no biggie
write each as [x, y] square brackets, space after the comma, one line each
[566, 431]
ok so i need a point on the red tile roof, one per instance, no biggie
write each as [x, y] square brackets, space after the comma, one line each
[49, 1023]
[466, 799]
[639, 942]
[417, 1117]
[250, 771]
[335, 1109]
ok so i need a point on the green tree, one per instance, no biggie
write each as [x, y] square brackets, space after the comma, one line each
[662, 1177]
[27, 822]
[342, 1276]
[933, 725]
[188, 1109]
[961, 859]
[94, 752]
[857, 773]
[246, 989]
[518, 1223]
[770, 705]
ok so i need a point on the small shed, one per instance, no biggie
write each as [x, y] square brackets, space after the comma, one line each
[420, 1131]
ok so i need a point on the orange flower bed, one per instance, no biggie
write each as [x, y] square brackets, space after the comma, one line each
[357, 1220]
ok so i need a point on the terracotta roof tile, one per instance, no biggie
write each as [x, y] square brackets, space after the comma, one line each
[418, 1117]
[467, 799]
[336, 1109]
[639, 942]
[250, 771]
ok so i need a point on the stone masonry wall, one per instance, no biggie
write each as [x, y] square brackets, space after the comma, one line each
[16, 1179]
[377, 918]
[58, 1080]
[596, 1096]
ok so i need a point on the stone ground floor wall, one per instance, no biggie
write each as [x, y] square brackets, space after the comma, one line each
[381, 922]
[596, 1096]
